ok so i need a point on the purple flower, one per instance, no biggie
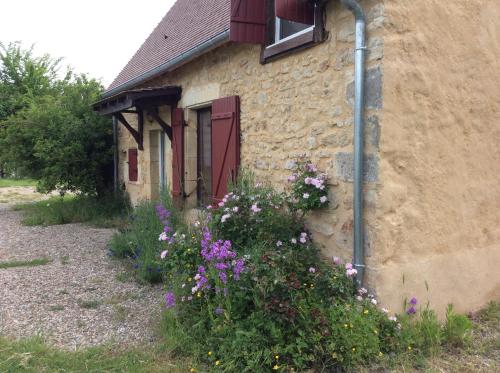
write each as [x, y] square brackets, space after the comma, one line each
[411, 311]
[170, 299]
[413, 301]
[223, 277]
[239, 267]
[219, 311]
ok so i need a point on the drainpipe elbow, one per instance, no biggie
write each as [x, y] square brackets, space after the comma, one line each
[355, 8]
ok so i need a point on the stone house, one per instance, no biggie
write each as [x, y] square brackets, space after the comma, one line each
[221, 84]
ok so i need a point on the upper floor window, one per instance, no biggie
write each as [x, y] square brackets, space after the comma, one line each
[292, 25]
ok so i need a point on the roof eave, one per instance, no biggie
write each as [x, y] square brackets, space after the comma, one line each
[172, 64]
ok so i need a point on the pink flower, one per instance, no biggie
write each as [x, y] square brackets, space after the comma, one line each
[337, 260]
[308, 181]
[312, 270]
[323, 199]
[303, 240]
[311, 167]
[292, 178]
[348, 266]
[209, 207]
[305, 195]
[221, 204]
[351, 272]
[362, 291]
[255, 209]
[163, 254]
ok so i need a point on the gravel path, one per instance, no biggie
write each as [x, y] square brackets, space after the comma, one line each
[80, 298]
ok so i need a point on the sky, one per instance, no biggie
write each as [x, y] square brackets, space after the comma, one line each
[97, 37]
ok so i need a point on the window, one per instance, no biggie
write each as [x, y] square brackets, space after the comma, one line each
[132, 165]
[285, 30]
[292, 25]
[204, 167]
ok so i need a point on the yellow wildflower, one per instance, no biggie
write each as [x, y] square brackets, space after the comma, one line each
[365, 312]
[409, 348]
[276, 367]
[198, 294]
[192, 370]
[217, 362]
[375, 331]
[345, 325]
[209, 353]
[189, 279]
[277, 357]
[350, 326]
[380, 354]
[354, 349]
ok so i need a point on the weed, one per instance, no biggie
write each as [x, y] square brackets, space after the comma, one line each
[25, 263]
[64, 259]
[89, 304]
[56, 308]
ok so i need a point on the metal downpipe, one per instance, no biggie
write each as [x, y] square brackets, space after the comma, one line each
[115, 154]
[359, 105]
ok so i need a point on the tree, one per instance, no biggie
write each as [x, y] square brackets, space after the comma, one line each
[48, 129]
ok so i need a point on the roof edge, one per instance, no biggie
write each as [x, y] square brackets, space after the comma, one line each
[171, 64]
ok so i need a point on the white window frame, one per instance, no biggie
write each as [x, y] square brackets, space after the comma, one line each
[277, 32]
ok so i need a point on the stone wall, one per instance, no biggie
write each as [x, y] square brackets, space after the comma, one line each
[437, 222]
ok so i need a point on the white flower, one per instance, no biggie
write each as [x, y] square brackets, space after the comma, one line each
[374, 301]
[224, 218]
[183, 286]
[163, 254]
[323, 199]
[312, 270]
[393, 318]
[197, 277]
[362, 291]
[303, 240]
[385, 310]
[294, 240]
[235, 209]
[197, 223]
[305, 195]
[359, 297]
[194, 289]
[279, 243]
[163, 236]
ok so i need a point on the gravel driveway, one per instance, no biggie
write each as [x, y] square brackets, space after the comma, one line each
[80, 298]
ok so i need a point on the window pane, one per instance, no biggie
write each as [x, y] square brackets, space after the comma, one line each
[288, 28]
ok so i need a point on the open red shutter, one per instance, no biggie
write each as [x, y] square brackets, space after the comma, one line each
[301, 11]
[225, 144]
[132, 165]
[177, 153]
[248, 21]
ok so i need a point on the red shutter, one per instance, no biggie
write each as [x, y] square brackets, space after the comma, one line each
[225, 144]
[132, 165]
[177, 153]
[248, 21]
[301, 11]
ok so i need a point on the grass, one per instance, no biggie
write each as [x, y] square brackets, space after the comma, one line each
[91, 304]
[9, 183]
[480, 355]
[24, 263]
[106, 212]
[34, 356]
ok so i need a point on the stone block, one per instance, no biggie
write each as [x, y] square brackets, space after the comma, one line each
[373, 89]
[344, 167]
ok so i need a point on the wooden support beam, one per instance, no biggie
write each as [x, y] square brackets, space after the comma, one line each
[161, 122]
[140, 126]
[135, 134]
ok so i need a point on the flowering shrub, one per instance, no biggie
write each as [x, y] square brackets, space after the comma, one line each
[308, 187]
[247, 290]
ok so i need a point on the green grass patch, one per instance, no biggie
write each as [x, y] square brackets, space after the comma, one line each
[91, 304]
[8, 183]
[104, 212]
[24, 263]
[34, 356]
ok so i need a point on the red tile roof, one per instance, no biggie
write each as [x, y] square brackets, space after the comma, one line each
[187, 24]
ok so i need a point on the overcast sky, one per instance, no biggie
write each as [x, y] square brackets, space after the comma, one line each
[97, 37]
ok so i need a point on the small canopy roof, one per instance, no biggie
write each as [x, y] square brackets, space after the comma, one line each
[145, 98]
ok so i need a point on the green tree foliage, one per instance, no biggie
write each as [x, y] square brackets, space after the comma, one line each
[48, 130]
